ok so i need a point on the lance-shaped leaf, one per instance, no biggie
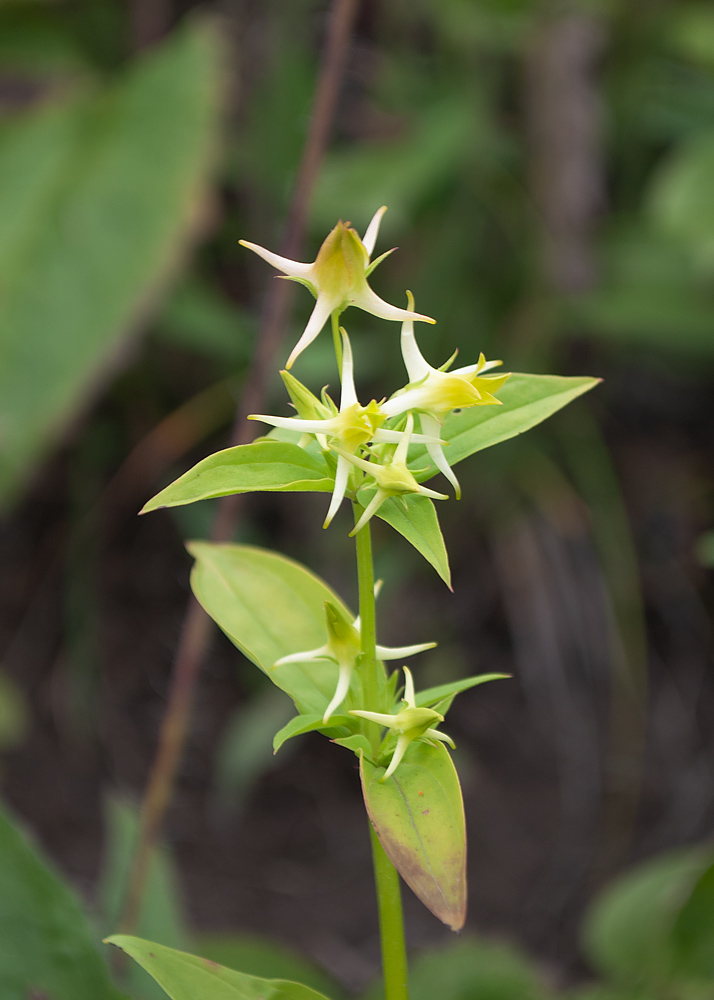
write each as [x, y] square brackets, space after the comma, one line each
[444, 694]
[47, 946]
[527, 400]
[415, 518]
[91, 230]
[269, 606]
[339, 725]
[418, 815]
[263, 466]
[188, 977]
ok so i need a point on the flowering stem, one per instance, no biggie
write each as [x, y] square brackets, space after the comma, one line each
[368, 628]
[389, 900]
[391, 923]
[336, 338]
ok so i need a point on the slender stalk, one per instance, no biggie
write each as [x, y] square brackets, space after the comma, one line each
[391, 923]
[389, 899]
[368, 625]
[337, 339]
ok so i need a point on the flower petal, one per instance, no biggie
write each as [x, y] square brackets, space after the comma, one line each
[349, 393]
[399, 652]
[319, 316]
[430, 424]
[375, 503]
[370, 236]
[323, 653]
[338, 494]
[366, 299]
[295, 268]
[343, 686]
[414, 362]
[409, 696]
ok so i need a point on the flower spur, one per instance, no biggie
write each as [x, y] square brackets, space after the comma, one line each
[338, 278]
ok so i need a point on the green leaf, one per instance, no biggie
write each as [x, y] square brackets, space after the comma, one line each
[419, 524]
[357, 743]
[188, 977]
[527, 401]
[430, 696]
[46, 943]
[264, 466]
[259, 956]
[91, 228]
[628, 930]
[302, 724]
[269, 606]
[693, 932]
[418, 815]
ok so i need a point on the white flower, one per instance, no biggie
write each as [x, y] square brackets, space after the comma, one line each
[434, 392]
[353, 426]
[411, 723]
[338, 278]
[343, 647]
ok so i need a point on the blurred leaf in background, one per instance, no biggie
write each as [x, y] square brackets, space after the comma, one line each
[99, 193]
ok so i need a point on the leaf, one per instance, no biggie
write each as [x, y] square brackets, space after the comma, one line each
[527, 401]
[264, 466]
[302, 724]
[418, 815]
[356, 743]
[418, 524]
[188, 977]
[693, 932]
[46, 943]
[269, 606]
[90, 230]
[259, 956]
[430, 696]
[681, 200]
[627, 931]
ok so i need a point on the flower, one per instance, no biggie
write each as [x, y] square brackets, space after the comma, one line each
[411, 723]
[351, 427]
[343, 646]
[393, 479]
[338, 278]
[435, 392]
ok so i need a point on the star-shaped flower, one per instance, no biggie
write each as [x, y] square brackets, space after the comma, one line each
[343, 647]
[411, 723]
[393, 478]
[347, 430]
[338, 278]
[435, 392]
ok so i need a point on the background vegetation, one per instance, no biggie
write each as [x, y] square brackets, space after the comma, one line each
[547, 168]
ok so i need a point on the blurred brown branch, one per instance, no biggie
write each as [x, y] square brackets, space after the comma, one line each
[197, 626]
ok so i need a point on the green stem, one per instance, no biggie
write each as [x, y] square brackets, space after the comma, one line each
[337, 339]
[369, 668]
[391, 923]
[389, 899]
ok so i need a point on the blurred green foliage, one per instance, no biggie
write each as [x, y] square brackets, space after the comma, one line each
[113, 163]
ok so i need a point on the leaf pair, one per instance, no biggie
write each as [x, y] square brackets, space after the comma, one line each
[272, 465]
